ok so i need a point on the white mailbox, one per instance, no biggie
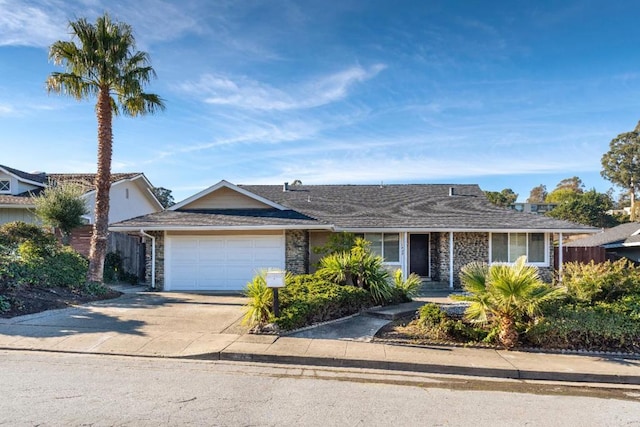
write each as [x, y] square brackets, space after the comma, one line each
[275, 279]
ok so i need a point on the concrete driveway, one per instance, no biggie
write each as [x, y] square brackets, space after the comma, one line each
[168, 324]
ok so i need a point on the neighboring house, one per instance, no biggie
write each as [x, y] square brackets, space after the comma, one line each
[617, 242]
[536, 208]
[219, 238]
[130, 196]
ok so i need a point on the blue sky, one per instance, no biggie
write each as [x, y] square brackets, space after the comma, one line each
[501, 93]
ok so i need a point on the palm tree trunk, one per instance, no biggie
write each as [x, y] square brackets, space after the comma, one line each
[103, 185]
[508, 334]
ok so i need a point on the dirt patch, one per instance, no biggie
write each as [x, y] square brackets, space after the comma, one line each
[35, 299]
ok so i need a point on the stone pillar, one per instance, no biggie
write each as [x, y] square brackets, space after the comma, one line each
[467, 247]
[297, 251]
[159, 235]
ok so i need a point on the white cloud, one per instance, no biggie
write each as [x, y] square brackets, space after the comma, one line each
[251, 94]
[39, 23]
[24, 24]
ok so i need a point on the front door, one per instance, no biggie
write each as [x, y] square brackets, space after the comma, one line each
[419, 254]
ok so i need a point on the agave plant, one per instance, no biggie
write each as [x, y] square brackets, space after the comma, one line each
[504, 294]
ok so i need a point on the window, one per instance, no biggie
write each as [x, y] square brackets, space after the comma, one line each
[386, 245]
[507, 247]
[5, 186]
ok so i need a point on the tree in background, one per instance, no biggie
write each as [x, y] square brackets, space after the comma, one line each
[574, 184]
[538, 194]
[621, 164]
[164, 196]
[62, 207]
[565, 190]
[588, 208]
[105, 64]
[504, 198]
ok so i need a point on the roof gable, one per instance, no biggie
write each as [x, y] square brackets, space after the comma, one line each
[225, 195]
[616, 236]
[38, 179]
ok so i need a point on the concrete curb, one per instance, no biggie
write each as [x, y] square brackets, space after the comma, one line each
[424, 368]
[515, 374]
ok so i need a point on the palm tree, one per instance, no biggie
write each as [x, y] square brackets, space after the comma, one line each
[104, 64]
[503, 294]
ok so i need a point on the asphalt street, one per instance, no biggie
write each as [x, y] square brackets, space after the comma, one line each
[76, 389]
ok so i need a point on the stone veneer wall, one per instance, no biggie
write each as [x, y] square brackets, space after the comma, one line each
[297, 251]
[159, 235]
[547, 274]
[467, 247]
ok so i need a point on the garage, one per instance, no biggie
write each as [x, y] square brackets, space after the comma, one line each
[219, 262]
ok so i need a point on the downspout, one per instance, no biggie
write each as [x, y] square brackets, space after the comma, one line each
[451, 260]
[153, 257]
[560, 257]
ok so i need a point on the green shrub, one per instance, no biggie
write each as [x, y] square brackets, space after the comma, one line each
[608, 281]
[435, 324]
[258, 309]
[5, 305]
[358, 267]
[309, 299]
[114, 270]
[65, 268]
[95, 288]
[12, 234]
[409, 287]
[599, 327]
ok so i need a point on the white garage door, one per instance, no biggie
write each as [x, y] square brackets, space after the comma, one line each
[205, 263]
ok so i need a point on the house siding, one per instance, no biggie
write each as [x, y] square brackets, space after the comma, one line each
[297, 251]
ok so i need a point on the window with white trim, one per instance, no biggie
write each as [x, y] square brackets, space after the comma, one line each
[5, 186]
[387, 245]
[508, 247]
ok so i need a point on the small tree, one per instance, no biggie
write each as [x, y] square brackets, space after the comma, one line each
[503, 295]
[62, 207]
[164, 196]
[504, 198]
[538, 194]
[621, 164]
[588, 208]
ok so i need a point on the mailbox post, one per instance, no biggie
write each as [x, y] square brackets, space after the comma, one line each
[275, 280]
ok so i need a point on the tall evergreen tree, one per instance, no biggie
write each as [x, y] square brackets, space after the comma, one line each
[621, 164]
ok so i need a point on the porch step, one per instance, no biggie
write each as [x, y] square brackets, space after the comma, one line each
[393, 312]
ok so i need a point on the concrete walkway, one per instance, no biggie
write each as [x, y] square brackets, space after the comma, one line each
[208, 327]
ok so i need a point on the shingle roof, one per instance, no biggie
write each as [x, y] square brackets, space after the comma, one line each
[219, 218]
[39, 177]
[352, 207]
[623, 233]
[425, 206]
[87, 180]
[23, 199]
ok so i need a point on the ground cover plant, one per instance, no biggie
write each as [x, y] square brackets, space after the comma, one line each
[37, 273]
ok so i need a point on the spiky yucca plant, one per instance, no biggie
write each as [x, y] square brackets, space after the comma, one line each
[358, 267]
[258, 309]
[504, 294]
[410, 287]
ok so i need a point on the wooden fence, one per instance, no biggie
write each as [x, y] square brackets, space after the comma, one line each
[580, 254]
[131, 251]
[130, 248]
